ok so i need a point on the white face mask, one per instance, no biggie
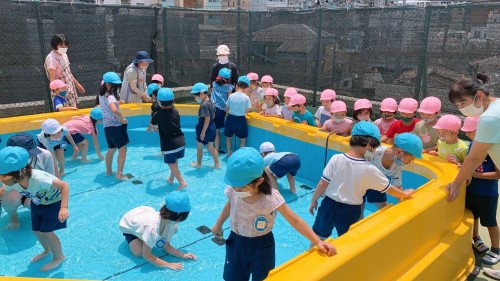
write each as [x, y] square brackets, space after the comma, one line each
[243, 194]
[368, 155]
[198, 100]
[62, 51]
[363, 117]
[223, 59]
[338, 120]
[430, 120]
[144, 68]
[471, 110]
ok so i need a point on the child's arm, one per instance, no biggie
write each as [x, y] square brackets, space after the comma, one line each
[95, 140]
[217, 228]
[116, 112]
[64, 187]
[176, 253]
[205, 127]
[66, 108]
[325, 128]
[487, 175]
[56, 170]
[320, 189]
[394, 191]
[317, 122]
[70, 138]
[146, 253]
[303, 228]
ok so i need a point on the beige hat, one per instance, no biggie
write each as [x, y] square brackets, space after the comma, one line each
[223, 50]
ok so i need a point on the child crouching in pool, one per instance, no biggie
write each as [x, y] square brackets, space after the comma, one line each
[252, 206]
[144, 229]
[49, 200]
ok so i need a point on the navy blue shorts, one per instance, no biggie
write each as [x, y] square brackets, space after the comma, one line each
[77, 138]
[220, 118]
[116, 137]
[209, 133]
[171, 158]
[332, 214]
[130, 237]
[236, 125]
[44, 218]
[249, 255]
[482, 207]
[375, 196]
[59, 146]
[288, 164]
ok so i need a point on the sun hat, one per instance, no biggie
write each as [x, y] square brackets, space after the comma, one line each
[362, 104]
[198, 88]
[165, 94]
[225, 73]
[142, 56]
[25, 141]
[271, 92]
[111, 78]
[243, 166]
[266, 79]
[51, 126]
[244, 79]
[430, 105]
[338, 106]
[151, 88]
[57, 84]
[157, 77]
[328, 94]
[96, 113]
[408, 105]
[15, 158]
[389, 105]
[470, 124]
[448, 122]
[253, 76]
[366, 128]
[290, 92]
[410, 143]
[267, 147]
[223, 50]
[178, 201]
[297, 99]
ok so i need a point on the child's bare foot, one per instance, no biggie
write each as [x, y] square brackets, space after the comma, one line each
[293, 190]
[217, 166]
[109, 173]
[170, 181]
[182, 186]
[85, 160]
[62, 174]
[53, 264]
[195, 165]
[40, 256]
[148, 129]
[12, 225]
[73, 158]
[121, 177]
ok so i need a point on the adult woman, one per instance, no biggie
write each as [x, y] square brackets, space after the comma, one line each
[223, 62]
[134, 79]
[57, 67]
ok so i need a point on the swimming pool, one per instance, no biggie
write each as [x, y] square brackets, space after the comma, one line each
[93, 244]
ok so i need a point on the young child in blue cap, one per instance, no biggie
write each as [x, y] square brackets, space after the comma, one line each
[205, 129]
[49, 200]
[145, 229]
[345, 180]
[152, 91]
[390, 161]
[172, 140]
[280, 164]
[221, 91]
[252, 206]
[237, 106]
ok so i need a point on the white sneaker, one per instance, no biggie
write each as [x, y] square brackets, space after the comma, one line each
[491, 258]
[495, 274]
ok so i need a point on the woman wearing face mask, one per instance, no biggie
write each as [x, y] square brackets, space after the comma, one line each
[134, 88]
[60, 90]
[429, 111]
[223, 62]
[57, 67]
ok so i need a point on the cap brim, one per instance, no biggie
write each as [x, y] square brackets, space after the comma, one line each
[235, 183]
[146, 60]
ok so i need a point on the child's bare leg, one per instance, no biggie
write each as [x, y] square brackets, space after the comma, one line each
[199, 155]
[84, 148]
[56, 249]
[494, 232]
[291, 183]
[381, 205]
[217, 139]
[10, 202]
[136, 247]
[228, 145]
[109, 161]
[45, 244]
[174, 168]
[60, 161]
[362, 211]
[243, 142]
[475, 229]
[215, 154]
[122, 156]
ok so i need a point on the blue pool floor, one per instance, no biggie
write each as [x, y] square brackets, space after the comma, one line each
[94, 246]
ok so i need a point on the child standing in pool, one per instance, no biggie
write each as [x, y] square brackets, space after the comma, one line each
[253, 206]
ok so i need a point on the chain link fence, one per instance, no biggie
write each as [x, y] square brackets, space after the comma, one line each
[361, 53]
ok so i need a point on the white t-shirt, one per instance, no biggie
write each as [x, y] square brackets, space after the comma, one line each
[488, 130]
[349, 178]
[43, 161]
[256, 219]
[322, 115]
[276, 109]
[49, 143]
[144, 222]
[39, 189]
[394, 173]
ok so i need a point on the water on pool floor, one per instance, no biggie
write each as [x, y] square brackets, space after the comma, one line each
[94, 246]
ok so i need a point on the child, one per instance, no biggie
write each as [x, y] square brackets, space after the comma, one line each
[115, 125]
[407, 108]
[271, 106]
[158, 80]
[285, 110]
[482, 199]
[155, 106]
[205, 129]
[429, 112]
[220, 93]
[390, 161]
[323, 112]
[171, 136]
[266, 82]
[59, 89]
[388, 108]
[49, 200]
[279, 164]
[300, 114]
[84, 125]
[238, 105]
[449, 146]
[256, 92]
[338, 123]
[252, 207]
[51, 138]
[345, 180]
[145, 229]
[362, 111]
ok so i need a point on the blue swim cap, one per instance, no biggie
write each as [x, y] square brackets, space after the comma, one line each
[198, 88]
[96, 113]
[165, 94]
[13, 158]
[178, 201]
[365, 128]
[244, 79]
[225, 73]
[152, 87]
[111, 77]
[410, 143]
[243, 166]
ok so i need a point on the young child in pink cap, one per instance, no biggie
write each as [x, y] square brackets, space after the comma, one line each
[338, 123]
[266, 82]
[300, 113]
[60, 103]
[271, 106]
[449, 146]
[362, 111]
[158, 79]
[256, 92]
[407, 109]
[429, 112]
[388, 108]
[323, 113]
[285, 110]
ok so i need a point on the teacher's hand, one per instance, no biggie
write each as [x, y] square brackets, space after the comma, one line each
[80, 88]
[453, 191]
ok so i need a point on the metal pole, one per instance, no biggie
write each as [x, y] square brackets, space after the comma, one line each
[41, 39]
[318, 56]
[165, 47]
[421, 79]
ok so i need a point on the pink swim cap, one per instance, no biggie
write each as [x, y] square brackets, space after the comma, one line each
[448, 122]
[389, 105]
[470, 124]
[291, 91]
[430, 105]
[328, 94]
[362, 104]
[266, 79]
[408, 105]
[253, 76]
[297, 99]
[271, 92]
[57, 84]
[157, 77]
[338, 106]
